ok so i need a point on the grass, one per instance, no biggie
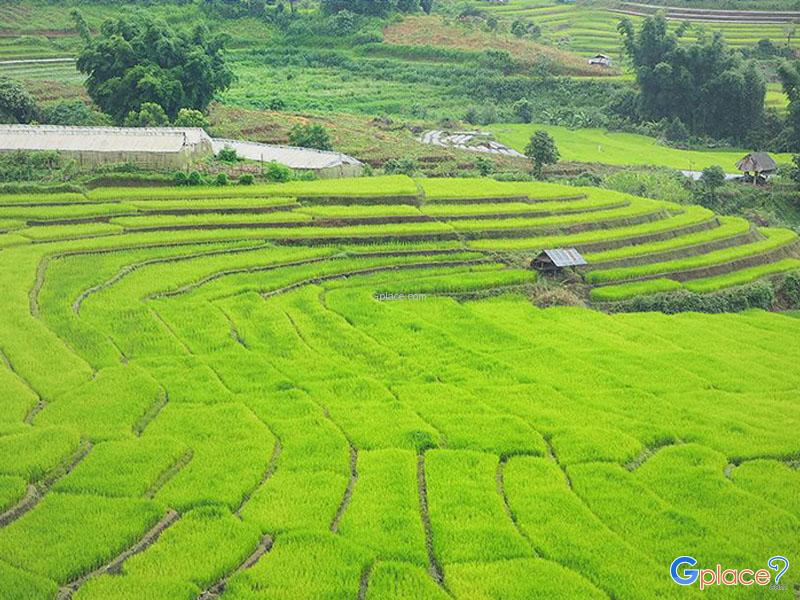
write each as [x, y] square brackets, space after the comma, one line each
[615, 148]
[623, 291]
[774, 238]
[384, 413]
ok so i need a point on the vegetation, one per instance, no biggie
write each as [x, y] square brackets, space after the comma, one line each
[541, 150]
[219, 401]
[706, 85]
[134, 64]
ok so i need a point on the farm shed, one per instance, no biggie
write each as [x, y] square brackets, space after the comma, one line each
[324, 164]
[161, 148]
[600, 59]
[554, 260]
[760, 164]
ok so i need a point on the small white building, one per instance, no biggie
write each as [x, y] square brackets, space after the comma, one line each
[600, 59]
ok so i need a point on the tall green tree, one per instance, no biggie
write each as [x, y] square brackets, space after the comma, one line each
[136, 61]
[789, 73]
[705, 84]
[541, 150]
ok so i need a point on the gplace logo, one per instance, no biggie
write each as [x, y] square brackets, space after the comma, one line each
[729, 577]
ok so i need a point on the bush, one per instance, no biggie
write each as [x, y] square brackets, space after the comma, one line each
[484, 166]
[189, 117]
[676, 131]
[16, 104]
[789, 289]
[246, 179]
[278, 173]
[713, 177]
[760, 294]
[228, 155]
[523, 110]
[180, 178]
[194, 178]
[28, 166]
[149, 115]
[221, 179]
[74, 112]
[400, 166]
[310, 136]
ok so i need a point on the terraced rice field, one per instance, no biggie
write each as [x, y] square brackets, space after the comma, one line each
[588, 29]
[339, 389]
[592, 145]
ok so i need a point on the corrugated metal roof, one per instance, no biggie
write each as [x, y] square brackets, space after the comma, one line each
[99, 139]
[296, 158]
[565, 257]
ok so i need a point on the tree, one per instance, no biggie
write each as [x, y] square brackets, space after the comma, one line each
[16, 104]
[375, 8]
[523, 110]
[712, 178]
[541, 150]
[705, 84]
[136, 61]
[149, 115]
[310, 136]
[676, 131]
[789, 74]
[74, 112]
[189, 117]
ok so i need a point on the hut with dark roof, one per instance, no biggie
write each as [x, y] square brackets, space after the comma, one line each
[555, 260]
[757, 166]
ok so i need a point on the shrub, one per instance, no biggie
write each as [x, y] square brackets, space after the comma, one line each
[523, 110]
[16, 104]
[789, 289]
[221, 179]
[278, 173]
[760, 294]
[310, 136]
[74, 112]
[149, 115]
[401, 166]
[484, 166]
[180, 178]
[713, 177]
[676, 131]
[246, 179]
[194, 178]
[190, 117]
[227, 154]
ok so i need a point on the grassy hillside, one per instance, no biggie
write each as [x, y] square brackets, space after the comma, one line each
[342, 389]
[616, 148]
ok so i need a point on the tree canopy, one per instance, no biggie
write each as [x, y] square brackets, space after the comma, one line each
[377, 8]
[541, 150]
[16, 104]
[704, 84]
[789, 73]
[136, 61]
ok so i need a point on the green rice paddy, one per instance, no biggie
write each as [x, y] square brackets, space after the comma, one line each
[343, 390]
[616, 148]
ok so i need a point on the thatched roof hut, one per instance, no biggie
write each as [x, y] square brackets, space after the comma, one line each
[759, 163]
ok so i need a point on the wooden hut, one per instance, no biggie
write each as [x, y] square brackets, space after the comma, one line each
[555, 260]
[757, 166]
